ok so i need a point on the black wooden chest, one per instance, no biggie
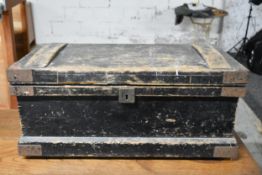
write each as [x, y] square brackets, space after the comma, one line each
[128, 101]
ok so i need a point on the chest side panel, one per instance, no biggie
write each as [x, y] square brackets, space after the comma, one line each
[105, 116]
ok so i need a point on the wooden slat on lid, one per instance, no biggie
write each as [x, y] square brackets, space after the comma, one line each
[44, 55]
[214, 58]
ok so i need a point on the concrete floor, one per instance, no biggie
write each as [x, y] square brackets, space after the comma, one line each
[249, 115]
[254, 94]
[249, 127]
[254, 87]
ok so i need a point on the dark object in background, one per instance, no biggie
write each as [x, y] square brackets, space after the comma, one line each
[253, 51]
[128, 101]
[240, 46]
[256, 2]
[193, 10]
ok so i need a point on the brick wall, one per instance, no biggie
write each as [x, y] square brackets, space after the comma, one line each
[111, 21]
[129, 21]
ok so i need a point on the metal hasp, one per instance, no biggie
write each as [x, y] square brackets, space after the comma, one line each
[126, 95]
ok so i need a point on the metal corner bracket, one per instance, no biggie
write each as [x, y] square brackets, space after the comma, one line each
[30, 150]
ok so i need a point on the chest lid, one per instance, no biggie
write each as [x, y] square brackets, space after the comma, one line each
[111, 64]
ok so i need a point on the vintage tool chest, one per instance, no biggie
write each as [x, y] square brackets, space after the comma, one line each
[128, 101]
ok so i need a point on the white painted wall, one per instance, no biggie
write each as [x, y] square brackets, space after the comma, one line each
[126, 21]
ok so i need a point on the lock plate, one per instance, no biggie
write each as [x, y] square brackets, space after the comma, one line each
[126, 95]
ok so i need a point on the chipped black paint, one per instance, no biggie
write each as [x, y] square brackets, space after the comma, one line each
[72, 90]
[129, 151]
[148, 117]
[114, 78]
[128, 147]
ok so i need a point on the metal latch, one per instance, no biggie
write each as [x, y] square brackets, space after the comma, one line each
[126, 95]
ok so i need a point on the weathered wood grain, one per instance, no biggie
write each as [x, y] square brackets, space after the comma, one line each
[7, 56]
[9, 124]
[45, 55]
[214, 59]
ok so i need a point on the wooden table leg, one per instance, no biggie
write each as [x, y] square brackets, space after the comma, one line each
[8, 37]
[8, 57]
[25, 26]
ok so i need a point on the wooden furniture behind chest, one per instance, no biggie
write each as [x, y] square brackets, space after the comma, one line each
[16, 37]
